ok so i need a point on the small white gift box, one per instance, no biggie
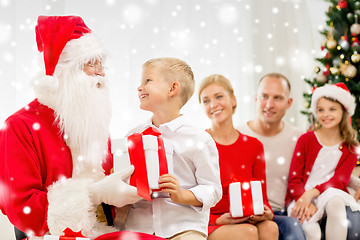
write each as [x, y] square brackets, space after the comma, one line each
[246, 198]
[120, 150]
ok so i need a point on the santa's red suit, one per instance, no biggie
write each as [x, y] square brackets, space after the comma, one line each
[34, 156]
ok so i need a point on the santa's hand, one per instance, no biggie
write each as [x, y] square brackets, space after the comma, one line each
[113, 190]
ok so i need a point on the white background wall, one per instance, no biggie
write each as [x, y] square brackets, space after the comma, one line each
[241, 39]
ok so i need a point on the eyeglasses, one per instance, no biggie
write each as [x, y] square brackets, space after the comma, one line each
[97, 66]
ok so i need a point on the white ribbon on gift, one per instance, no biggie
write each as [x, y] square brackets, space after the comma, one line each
[236, 204]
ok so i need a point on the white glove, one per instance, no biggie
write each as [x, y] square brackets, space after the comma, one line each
[113, 190]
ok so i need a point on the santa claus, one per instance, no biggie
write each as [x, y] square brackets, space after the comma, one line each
[55, 152]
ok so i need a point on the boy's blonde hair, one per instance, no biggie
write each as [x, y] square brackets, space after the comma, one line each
[219, 80]
[174, 69]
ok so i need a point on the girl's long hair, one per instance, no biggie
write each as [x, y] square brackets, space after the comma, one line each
[348, 133]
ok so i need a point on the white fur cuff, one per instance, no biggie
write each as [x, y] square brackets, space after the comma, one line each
[70, 206]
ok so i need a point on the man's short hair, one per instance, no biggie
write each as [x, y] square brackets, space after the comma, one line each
[174, 69]
[278, 76]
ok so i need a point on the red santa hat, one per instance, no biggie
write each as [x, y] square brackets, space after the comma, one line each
[64, 39]
[338, 92]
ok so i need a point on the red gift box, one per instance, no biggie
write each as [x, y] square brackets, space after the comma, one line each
[151, 155]
[246, 198]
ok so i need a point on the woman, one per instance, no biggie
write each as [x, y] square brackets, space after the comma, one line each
[240, 156]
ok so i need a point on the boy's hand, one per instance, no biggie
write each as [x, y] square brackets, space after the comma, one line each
[170, 184]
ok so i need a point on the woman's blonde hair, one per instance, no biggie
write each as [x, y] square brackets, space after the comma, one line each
[219, 80]
[348, 133]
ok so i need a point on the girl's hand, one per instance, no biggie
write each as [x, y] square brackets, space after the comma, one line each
[268, 215]
[303, 203]
[312, 209]
[227, 219]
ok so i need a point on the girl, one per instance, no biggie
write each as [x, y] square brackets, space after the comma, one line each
[322, 163]
[239, 155]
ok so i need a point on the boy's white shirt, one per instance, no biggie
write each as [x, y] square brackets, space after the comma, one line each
[196, 166]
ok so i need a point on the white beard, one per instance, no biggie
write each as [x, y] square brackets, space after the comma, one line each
[83, 111]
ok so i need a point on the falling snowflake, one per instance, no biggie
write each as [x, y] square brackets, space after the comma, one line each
[258, 68]
[5, 35]
[5, 3]
[110, 2]
[280, 61]
[27, 210]
[3, 191]
[200, 145]
[280, 160]
[133, 14]
[189, 143]
[36, 126]
[245, 186]
[246, 99]
[2, 125]
[8, 57]
[275, 10]
[227, 14]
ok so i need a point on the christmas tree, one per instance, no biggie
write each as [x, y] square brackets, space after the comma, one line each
[341, 58]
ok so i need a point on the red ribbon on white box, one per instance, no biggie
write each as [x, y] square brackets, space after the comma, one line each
[53, 237]
[151, 155]
[137, 158]
[246, 198]
[68, 235]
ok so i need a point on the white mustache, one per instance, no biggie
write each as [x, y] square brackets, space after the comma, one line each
[97, 81]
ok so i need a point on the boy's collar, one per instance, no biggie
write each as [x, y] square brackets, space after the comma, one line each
[172, 125]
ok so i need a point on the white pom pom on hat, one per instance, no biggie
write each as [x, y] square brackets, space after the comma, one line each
[337, 91]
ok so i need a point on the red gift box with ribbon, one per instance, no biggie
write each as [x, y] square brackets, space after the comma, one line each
[68, 235]
[151, 155]
[246, 198]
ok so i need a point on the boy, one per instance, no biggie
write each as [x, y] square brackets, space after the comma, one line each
[166, 85]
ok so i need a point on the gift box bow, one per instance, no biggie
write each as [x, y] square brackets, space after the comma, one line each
[246, 198]
[140, 149]
[68, 235]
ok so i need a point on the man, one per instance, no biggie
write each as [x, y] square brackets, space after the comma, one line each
[279, 140]
[54, 152]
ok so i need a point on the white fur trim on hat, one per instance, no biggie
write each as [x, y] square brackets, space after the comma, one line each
[336, 93]
[82, 49]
